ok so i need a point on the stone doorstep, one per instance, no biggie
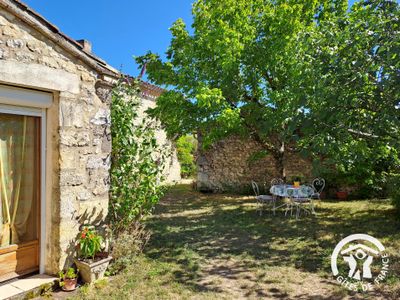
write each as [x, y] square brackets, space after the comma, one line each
[19, 288]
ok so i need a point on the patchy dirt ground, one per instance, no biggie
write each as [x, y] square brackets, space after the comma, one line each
[207, 246]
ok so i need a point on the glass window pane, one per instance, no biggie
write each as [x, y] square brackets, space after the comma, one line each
[19, 179]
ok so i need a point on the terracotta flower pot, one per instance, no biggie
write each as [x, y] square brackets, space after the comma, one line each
[69, 284]
[341, 195]
[94, 270]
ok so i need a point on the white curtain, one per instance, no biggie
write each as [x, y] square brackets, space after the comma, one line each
[17, 177]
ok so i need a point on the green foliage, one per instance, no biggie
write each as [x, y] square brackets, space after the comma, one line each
[297, 76]
[351, 75]
[298, 177]
[89, 243]
[69, 274]
[137, 159]
[354, 73]
[238, 72]
[257, 156]
[186, 147]
[127, 246]
[361, 165]
[394, 191]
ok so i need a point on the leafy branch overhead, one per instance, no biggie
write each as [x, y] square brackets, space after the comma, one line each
[293, 75]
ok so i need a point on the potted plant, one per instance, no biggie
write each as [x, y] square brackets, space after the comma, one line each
[68, 279]
[342, 195]
[343, 183]
[296, 180]
[92, 261]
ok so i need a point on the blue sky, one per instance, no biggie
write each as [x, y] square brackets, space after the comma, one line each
[117, 29]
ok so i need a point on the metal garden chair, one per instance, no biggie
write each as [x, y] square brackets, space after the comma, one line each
[277, 181]
[262, 200]
[301, 200]
[318, 184]
[276, 190]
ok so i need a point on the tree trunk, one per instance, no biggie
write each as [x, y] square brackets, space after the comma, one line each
[280, 165]
[280, 162]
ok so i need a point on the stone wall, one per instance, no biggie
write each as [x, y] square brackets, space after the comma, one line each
[172, 171]
[79, 130]
[227, 166]
[34, 54]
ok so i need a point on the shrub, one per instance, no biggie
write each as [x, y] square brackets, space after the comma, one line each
[127, 245]
[138, 160]
[186, 147]
[363, 167]
[138, 163]
[394, 190]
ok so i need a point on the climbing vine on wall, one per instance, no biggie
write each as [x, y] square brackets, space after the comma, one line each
[137, 159]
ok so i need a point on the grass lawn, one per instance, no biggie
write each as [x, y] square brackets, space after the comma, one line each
[207, 246]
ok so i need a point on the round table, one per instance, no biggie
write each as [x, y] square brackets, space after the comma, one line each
[288, 191]
[296, 195]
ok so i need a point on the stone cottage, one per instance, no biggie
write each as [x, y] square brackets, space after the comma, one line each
[55, 141]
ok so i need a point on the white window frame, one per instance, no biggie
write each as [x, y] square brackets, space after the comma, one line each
[12, 95]
[41, 113]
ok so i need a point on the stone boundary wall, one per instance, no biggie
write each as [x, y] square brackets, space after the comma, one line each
[227, 166]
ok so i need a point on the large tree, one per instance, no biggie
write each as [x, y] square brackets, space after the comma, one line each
[237, 71]
[352, 80]
[354, 63]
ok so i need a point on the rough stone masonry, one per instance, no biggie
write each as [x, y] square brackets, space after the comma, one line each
[228, 166]
[35, 55]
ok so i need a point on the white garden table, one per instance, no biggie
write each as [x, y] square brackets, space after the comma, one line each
[279, 190]
[297, 196]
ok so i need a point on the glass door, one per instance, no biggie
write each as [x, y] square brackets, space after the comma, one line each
[19, 194]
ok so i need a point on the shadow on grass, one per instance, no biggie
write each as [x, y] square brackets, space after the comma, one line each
[190, 228]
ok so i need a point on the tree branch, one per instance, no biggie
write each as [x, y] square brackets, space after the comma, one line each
[255, 135]
[252, 99]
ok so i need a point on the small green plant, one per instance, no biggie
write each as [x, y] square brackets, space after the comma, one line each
[299, 177]
[69, 274]
[89, 243]
[255, 157]
[127, 245]
[85, 289]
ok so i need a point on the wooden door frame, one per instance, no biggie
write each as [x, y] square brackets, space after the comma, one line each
[41, 113]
